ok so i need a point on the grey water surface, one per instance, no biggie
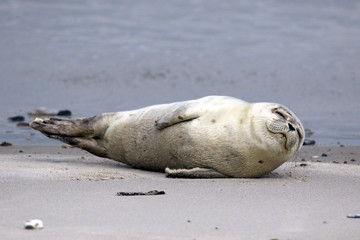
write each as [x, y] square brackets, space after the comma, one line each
[103, 56]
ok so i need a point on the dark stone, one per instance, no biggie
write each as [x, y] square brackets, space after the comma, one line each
[5, 144]
[309, 142]
[16, 119]
[64, 113]
[153, 192]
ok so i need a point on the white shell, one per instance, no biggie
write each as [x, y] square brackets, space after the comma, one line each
[34, 224]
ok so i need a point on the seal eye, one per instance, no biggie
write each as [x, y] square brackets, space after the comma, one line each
[280, 114]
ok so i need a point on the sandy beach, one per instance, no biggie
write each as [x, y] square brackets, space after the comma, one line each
[75, 194]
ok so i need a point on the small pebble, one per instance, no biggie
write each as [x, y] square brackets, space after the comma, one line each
[5, 144]
[42, 112]
[353, 160]
[345, 162]
[64, 113]
[34, 224]
[152, 192]
[353, 215]
[309, 142]
[324, 155]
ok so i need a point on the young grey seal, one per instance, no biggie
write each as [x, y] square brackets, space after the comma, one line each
[214, 136]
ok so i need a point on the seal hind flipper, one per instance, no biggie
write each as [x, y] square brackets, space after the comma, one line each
[64, 126]
[91, 145]
[76, 132]
[194, 173]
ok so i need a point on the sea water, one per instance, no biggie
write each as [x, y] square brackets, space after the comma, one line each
[103, 56]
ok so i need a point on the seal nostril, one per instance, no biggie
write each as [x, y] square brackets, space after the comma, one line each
[298, 132]
[291, 127]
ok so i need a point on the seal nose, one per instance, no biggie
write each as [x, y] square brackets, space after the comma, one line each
[291, 127]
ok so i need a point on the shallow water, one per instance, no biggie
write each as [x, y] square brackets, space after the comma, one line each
[102, 56]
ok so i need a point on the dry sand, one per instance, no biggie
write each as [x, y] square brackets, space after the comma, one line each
[74, 194]
[91, 57]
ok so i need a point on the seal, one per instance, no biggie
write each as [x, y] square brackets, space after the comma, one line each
[214, 136]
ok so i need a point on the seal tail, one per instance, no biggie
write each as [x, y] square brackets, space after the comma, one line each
[82, 132]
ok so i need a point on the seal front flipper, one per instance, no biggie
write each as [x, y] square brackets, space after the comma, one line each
[83, 132]
[179, 112]
[194, 173]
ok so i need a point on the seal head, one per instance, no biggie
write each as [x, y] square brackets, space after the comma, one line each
[286, 127]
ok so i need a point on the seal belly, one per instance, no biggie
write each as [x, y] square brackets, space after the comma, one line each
[209, 141]
[133, 139]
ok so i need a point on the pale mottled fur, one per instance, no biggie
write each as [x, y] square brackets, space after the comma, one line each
[226, 135]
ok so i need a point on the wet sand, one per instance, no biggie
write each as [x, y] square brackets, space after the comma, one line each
[74, 194]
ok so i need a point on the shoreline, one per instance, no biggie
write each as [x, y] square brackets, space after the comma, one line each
[327, 154]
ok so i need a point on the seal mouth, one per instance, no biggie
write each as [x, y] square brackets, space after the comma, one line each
[286, 131]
